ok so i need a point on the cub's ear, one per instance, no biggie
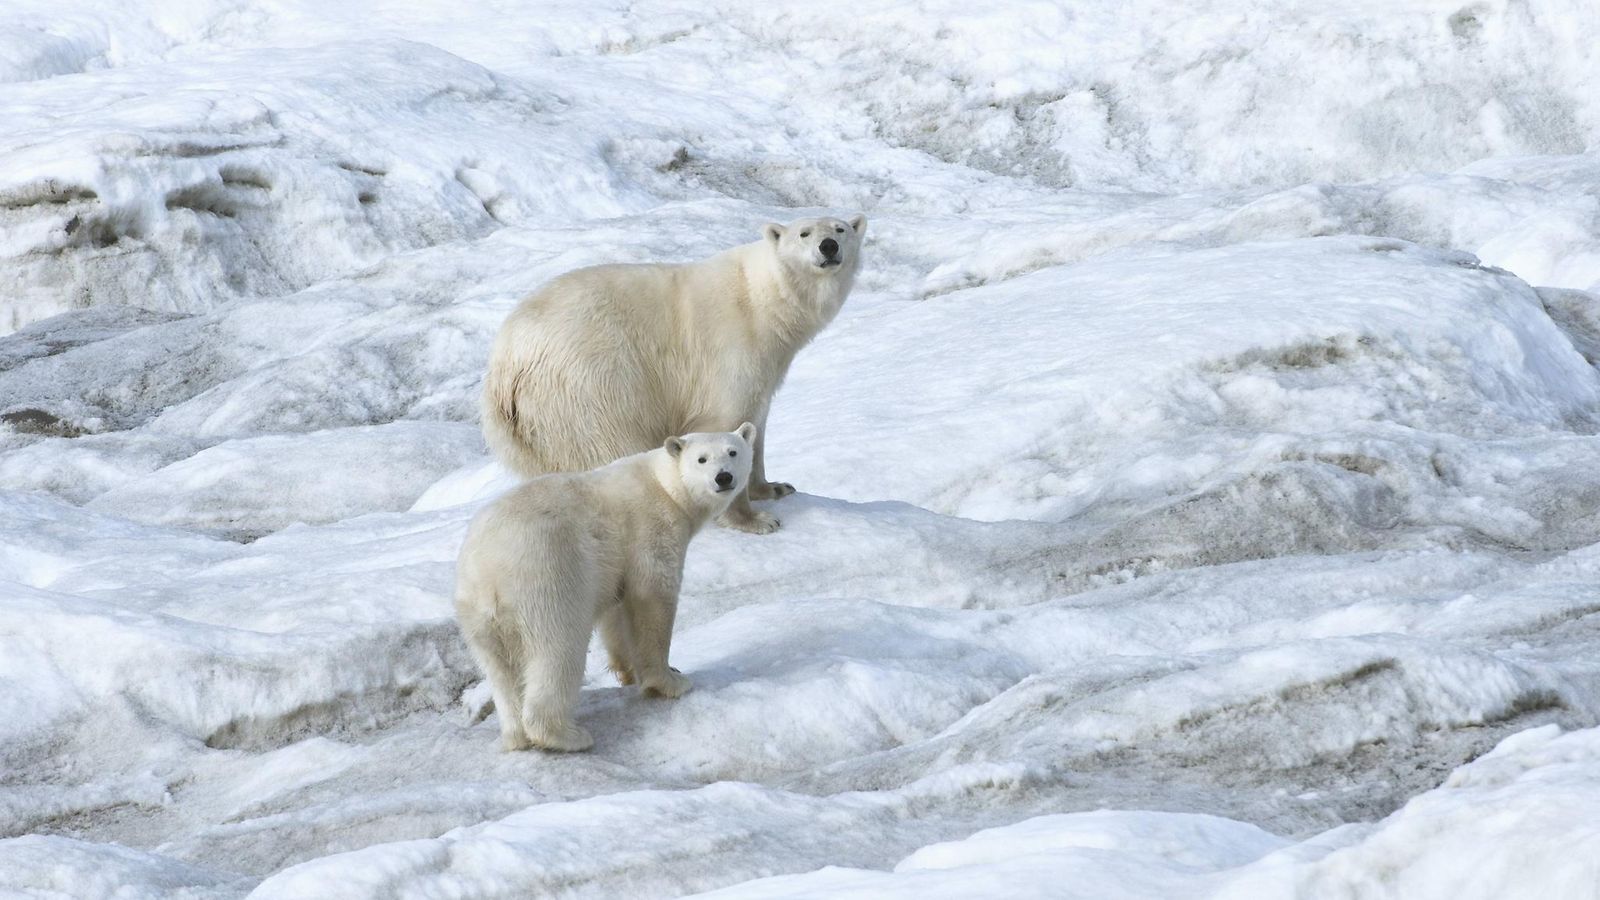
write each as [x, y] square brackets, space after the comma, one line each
[674, 446]
[748, 432]
[858, 222]
[773, 231]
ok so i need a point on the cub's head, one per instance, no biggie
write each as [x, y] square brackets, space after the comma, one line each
[714, 466]
[821, 246]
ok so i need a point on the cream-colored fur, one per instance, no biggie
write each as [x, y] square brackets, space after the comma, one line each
[610, 360]
[553, 558]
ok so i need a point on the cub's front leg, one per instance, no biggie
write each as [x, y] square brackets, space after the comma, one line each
[651, 606]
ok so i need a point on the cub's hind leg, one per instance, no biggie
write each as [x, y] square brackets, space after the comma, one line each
[558, 615]
[499, 653]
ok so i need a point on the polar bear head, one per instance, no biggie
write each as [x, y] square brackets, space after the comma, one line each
[713, 466]
[819, 247]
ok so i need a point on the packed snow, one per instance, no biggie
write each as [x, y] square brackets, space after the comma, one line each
[1200, 491]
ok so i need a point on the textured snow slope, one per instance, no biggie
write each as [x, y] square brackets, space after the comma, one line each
[1202, 479]
[1537, 789]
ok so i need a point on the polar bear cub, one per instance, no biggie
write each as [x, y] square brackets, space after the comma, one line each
[553, 558]
[610, 360]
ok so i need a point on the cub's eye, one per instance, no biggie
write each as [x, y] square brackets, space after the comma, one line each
[805, 234]
[838, 231]
[733, 453]
[702, 459]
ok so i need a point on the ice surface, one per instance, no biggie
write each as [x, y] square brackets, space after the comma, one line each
[1537, 792]
[1200, 484]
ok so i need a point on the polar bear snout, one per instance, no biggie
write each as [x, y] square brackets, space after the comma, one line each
[724, 481]
[829, 248]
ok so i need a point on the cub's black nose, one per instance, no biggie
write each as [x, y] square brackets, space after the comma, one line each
[830, 247]
[724, 479]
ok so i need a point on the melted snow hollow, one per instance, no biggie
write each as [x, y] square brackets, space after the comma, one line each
[1200, 491]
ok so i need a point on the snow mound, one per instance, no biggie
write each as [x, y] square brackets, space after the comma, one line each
[260, 485]
[267, 171]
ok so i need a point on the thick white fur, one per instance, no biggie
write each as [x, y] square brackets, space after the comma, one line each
[611, 360]
[553, 558]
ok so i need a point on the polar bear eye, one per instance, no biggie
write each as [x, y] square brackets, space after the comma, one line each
[838, 230]
[733, 453]
[702, 459]
[806, 233]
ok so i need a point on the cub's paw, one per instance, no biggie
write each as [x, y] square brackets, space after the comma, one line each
[568, 738]
[755, 522]
[672, 685]
[771, 490]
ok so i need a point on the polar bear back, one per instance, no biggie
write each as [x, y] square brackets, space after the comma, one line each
[612, 360]
[616, 358]
[586, 520]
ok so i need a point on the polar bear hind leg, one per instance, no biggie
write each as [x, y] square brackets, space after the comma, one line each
[499, 654]
[556, 611]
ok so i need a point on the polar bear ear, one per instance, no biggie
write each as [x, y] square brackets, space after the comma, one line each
[674, 446]
[858, 223]
[748, 432]
[773, 231]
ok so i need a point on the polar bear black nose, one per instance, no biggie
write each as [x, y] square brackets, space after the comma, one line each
[724, 479]
[830, 247]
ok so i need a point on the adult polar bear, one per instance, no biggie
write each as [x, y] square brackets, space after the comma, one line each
[612, 360]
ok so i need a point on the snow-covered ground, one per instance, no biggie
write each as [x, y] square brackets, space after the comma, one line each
[1200, 492]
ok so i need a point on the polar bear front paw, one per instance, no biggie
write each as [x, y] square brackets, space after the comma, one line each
[567, 738]
[771, 490]
[672, 685]
[755, 522]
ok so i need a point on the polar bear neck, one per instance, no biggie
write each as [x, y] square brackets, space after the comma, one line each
[790, 304]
